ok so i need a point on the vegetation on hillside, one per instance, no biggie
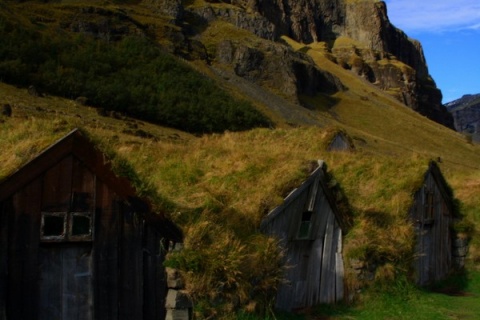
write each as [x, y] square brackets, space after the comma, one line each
[133, 76]
[218, 187]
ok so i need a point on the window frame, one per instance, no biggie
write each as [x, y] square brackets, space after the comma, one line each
[68, 223]
[307, 223]
[429, 206]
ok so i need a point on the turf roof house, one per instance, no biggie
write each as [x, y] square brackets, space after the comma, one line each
[432, 214]
[340, 141]
[76, 242]
[310, 229]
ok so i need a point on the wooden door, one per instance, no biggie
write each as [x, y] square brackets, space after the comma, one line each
[66, 290]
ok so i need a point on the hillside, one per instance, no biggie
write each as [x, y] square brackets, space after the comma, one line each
[294, 93]
[218, 187]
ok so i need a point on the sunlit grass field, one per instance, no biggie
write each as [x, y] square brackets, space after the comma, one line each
[218, 187]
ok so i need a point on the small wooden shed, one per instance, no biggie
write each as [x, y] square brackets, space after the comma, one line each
[340, 141]
[310, 229]
[433, 216]
[76, 242]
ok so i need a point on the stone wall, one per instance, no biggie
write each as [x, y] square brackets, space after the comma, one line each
[178, 303]
[459, 252]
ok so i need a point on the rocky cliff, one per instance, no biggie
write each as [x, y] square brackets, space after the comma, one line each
[358, 34]
[466, 114]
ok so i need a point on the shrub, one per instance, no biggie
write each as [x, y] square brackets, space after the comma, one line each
[133, 76]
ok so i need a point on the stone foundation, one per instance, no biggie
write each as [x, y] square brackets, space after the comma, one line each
[178, 303]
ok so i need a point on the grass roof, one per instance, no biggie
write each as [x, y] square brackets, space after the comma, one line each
[219, 187]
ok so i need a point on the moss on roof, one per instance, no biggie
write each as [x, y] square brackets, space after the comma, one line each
[218, 188]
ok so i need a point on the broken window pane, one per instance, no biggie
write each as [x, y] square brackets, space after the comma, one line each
[305, 225]
[53, 225]
[81, 225]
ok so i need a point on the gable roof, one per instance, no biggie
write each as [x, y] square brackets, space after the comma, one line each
[80, 146]
[442, 184]
[321, 173]
[340, 141]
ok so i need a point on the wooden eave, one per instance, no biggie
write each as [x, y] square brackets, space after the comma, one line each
[320, 170]
[442, 184]
[77, 144]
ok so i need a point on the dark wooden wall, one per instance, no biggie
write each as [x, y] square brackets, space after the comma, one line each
[315, 268]
[3, 262]
[432, 218]
[123, 263]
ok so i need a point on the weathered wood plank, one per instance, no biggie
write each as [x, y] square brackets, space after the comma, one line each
[106, 254]
[327, 276]
[155, 282]
[3, 259]
[83, 188]
[23, 245]
[339, 268]
[77, 284]
[149, 274]
[51, 276]
[339, 279]
[131, 269]
[312, 194]
[314, 272]
[57, 187]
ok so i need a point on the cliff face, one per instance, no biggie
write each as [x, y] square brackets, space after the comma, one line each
[367, 24]
[376, 50]
[466, 113]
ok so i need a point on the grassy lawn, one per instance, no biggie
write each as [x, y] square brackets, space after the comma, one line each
[456, 298]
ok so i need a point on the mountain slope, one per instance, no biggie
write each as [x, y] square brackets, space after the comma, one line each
[356, 34]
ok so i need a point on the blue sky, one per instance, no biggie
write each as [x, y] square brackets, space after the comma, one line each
[449, 31]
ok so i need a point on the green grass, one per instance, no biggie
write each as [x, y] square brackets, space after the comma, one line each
[455, 298]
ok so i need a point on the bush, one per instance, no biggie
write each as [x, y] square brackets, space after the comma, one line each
[133, 76]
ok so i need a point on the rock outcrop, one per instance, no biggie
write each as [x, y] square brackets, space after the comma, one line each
[379, 52]
[290, 73]
[466, 113]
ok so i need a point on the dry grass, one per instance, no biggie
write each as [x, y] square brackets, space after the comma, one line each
[222, 185]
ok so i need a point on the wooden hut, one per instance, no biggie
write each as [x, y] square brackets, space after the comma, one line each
[340, 141]
[310, 229]
[432, 214]
[76, 242]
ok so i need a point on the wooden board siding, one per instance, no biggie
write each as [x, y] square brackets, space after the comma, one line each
[434, 239]
[314, 266]
[76, 241]
[131, 264]
[154, 275]
[66, 282]
[106, 244]
[3, 261]
[23, 242]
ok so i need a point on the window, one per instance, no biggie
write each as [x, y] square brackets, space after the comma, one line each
[53, 226]
[305, 225]
[304, 231]
[66, 226]
[429, 206]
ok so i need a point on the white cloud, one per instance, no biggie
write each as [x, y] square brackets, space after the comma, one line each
[434, 15]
